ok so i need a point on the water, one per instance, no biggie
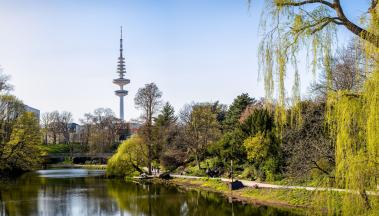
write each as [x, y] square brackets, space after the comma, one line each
[86, 192]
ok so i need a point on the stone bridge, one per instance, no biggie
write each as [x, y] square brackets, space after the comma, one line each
[77, 157]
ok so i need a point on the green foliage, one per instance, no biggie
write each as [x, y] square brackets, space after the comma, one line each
[56, 148]
[264, 154]
[201, 129]
[230, 147]
[10, 109]
[131, 155]
[354, 123]
[260, 120]
[235, 110]
[257, 147]
[163, 133]
[167, 116]
[308, 147]
[23, 151]
[195, 171]
[262, 146]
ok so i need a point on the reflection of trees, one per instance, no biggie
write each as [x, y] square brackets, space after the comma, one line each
[75, 196]
[31, 195]
[155, 199]
[18, 196]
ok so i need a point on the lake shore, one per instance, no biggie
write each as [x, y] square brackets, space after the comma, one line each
[296, 200]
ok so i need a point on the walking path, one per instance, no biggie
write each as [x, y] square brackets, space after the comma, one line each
[254, 184]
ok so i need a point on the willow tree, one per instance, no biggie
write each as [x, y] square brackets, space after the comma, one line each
[293, 27]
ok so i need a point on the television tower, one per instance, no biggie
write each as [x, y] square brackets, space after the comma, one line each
[121, 81]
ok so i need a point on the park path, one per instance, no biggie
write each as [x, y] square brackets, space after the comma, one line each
[255, 184]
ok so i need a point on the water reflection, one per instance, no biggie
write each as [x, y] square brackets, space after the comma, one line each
[83, 192]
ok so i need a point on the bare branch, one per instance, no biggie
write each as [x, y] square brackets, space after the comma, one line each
[296, 4]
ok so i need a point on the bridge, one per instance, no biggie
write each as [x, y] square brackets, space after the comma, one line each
[77, 157]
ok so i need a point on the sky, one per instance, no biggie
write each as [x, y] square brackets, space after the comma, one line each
[62, 54]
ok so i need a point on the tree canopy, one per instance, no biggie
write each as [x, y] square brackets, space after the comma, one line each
[23, 151]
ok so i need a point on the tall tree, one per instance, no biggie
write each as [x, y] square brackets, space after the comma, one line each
[46, 120]
[201, 129]
[309, 147]
[55, 126]
[64, 119]
[148, 99]
[235, 110]
[164, 130]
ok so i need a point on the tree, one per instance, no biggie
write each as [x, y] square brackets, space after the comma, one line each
[10, 109]
[4, 84]
[230, 147]
[200, 129]
[22, 152]
[46, 120]
[101, 130]
[64, 119]
[309, 146]
[167, 116]
[352, 118]
[332, 13]
[55, 126]
[263, 152]
[262, 145]
[347, 72]
[148, 99]
[292, 26]
[235, 110]
[164, 130]
[130, 156]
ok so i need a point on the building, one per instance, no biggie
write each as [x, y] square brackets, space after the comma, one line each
[134, 126]
[121, 81]
[37, 112]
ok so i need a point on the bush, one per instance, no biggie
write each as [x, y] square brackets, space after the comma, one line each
[195, 171]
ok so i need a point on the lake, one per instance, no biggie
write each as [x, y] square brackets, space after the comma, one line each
[87, 192]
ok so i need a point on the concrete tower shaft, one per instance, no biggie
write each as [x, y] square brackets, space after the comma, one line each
[121, 81]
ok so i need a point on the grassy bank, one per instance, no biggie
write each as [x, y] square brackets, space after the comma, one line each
[298, 200]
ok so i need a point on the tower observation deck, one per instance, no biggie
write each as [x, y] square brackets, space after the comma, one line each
[121, 81]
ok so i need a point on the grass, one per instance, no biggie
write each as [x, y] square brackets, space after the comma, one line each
[280, 197]
[56, 148]
[296, 197]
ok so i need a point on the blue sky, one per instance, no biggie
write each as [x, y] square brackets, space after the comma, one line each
[61, 54]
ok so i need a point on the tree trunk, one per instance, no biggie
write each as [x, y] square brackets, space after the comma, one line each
[366, 199]
[46, 138]
[149, 157]
[55, 138]
[197, 161]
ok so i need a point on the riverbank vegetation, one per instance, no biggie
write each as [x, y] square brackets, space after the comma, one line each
[20, 136]
[329, 140]
[300, 199]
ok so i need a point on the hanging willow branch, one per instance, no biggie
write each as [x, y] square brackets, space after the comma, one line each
[342, 19]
